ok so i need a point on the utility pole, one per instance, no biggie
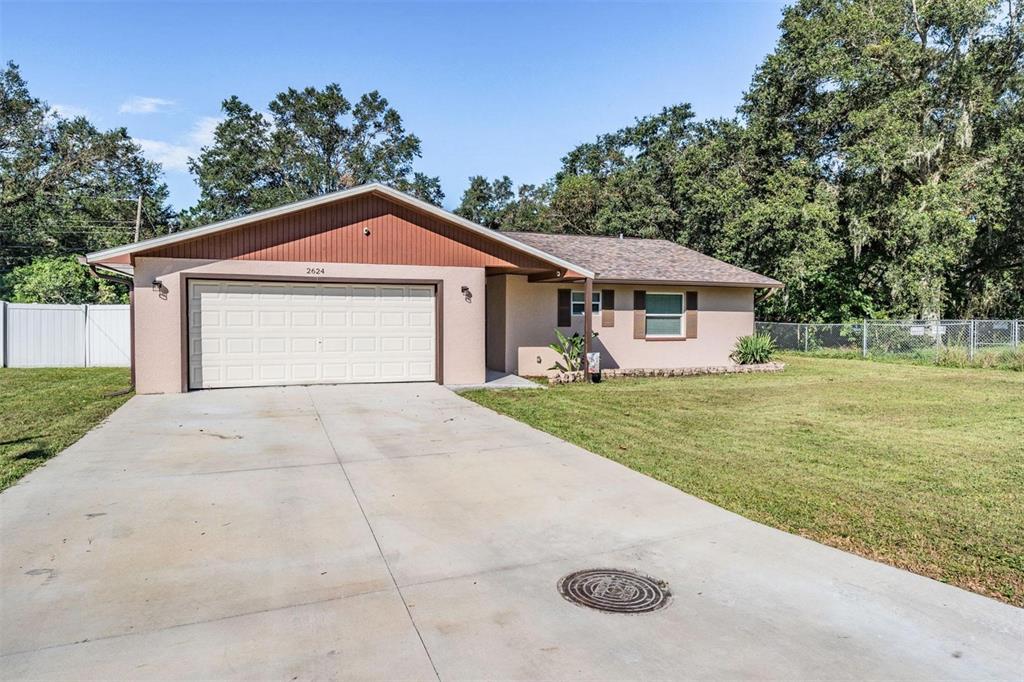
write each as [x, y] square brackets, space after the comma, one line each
[138, 217]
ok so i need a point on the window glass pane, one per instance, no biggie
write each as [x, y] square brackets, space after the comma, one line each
[664, 304]
[577, 302]
[664, 326]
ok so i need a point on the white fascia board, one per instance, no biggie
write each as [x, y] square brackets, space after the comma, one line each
[400, 197]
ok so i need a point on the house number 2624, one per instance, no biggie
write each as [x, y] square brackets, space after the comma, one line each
[314, 271]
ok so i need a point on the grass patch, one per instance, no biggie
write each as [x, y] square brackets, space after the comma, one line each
[1003, 358]
[919, 467]
[46, 410]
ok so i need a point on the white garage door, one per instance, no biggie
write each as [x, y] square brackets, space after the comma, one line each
[273, 333]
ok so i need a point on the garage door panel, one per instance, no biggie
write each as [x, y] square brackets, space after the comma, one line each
[254, 333]
[335, 318]
[336, 371]
[392, 344]
[424, 319]
[364, 318]
[336, 344]
[421, 370]
[392, 318]
[421, 344]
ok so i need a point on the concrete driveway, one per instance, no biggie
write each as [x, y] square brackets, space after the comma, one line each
[400, 531]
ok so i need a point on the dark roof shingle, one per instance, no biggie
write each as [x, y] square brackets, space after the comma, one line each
[641, 260]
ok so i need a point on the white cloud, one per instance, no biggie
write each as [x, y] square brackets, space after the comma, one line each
[203, 130]
[69, 110]
[170, 156]
[144, 105]
[174, 155]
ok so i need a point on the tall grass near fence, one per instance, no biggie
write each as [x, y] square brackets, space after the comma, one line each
[950, 343]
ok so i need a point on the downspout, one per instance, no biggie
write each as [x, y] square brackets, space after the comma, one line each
[130, 283]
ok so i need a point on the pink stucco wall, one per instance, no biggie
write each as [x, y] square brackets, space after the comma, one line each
[160, 326]
[531, 315]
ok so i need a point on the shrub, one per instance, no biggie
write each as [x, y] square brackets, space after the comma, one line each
[57, 279]
[754, 349]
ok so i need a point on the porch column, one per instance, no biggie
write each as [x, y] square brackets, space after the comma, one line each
[588, 323]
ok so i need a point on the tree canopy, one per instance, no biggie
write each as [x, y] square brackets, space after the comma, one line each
[876, 165]
[313, 141]
[65, 186]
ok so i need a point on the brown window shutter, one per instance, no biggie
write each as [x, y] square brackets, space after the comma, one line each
[639, 314]
[691, 314]
[607, 307]
[564, 308]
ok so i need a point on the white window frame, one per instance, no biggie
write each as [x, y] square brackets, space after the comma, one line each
[681, 315]
[595, 303]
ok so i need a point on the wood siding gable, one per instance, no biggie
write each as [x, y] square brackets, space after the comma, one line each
[367, 229]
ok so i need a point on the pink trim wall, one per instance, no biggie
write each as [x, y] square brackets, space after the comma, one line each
[160, 324]
[725, 314]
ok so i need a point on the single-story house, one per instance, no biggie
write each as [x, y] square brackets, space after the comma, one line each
[369, 284]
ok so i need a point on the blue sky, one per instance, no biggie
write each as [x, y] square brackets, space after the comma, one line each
[490, 88]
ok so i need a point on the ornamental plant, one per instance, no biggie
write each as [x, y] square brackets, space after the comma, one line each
[755, 349]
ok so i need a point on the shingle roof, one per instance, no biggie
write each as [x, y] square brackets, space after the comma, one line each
[641, 260]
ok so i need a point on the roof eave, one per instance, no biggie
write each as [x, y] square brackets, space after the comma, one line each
[690, 283]
[305, 204]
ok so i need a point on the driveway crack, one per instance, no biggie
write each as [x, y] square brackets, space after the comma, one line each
[373, 534]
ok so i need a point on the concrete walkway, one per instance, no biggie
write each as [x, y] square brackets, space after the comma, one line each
[402, 532]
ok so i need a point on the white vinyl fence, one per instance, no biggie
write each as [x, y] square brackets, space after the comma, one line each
[37, 335]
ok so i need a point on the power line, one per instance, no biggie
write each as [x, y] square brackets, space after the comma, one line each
[80, 226]
[65, 195]
[66, 223]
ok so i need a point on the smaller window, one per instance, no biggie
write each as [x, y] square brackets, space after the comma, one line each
[664, 314]
[577, 303]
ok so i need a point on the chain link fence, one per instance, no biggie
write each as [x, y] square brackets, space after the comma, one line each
[915, 338]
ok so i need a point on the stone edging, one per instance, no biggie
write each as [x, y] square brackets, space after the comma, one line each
[576, 377]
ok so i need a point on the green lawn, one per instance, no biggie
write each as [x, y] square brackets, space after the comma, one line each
[919, 467]
[42, 411]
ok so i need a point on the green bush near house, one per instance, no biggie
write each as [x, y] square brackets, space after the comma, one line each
[57, 279]
[755, 349]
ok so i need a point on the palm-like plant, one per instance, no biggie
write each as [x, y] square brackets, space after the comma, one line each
[570, 351]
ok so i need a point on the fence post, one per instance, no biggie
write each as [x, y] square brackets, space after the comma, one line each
[864, 338]
[3, 333]
[972, 336]
[85, 335]
[805, 337]
[1015, 333]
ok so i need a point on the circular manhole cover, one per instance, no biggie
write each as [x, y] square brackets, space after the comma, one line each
[615, 590]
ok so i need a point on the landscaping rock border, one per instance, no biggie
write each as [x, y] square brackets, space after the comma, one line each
[577, 377]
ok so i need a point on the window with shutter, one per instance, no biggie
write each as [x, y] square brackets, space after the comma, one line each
[664, 315]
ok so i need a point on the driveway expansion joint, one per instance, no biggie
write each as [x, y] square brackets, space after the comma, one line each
[202, 621]
[376, 541]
